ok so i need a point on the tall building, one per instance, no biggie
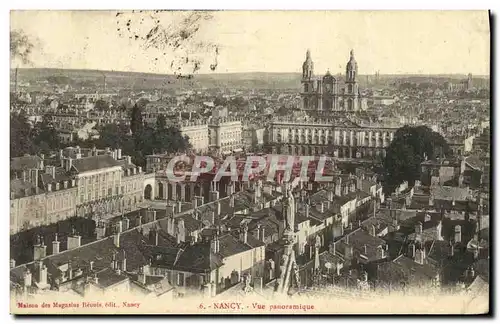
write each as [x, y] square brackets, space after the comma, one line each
[325, 93]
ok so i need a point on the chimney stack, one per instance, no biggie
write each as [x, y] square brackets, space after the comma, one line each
[458, 234]
[411, 250]
[40, 250]
[380, 252]
[55, 245]
[74, 240]
[214, 244]
[244, 234]
[116, 239]
[124, 262]
[331, 248]
[420, 256]
[27, 278]
[142, 276]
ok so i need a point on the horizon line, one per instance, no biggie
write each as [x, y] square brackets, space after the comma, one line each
[244, 72]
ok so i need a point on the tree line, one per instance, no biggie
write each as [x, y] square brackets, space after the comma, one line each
[137, 140]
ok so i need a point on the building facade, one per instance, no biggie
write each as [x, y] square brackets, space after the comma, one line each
[343, 140]
[198, 135]
[326, 93]
[225, 135]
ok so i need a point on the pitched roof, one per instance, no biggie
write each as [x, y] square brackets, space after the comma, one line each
[94, 163]
[25, 162]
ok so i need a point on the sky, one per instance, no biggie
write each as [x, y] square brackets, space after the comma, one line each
[392, 42]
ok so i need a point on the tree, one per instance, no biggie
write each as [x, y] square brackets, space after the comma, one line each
[113, 136]
[136, 123]
[409, 148]
[101, 105]
[46, 138]
[21, 135]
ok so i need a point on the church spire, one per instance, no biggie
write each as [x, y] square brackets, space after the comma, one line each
[351, 68]
[307, 66]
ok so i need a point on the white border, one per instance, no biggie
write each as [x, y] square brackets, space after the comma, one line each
[200, 4]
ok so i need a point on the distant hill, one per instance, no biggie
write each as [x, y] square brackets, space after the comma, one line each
[250, 80]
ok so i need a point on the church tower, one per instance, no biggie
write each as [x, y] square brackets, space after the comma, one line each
[351, 91]
[308, 67]
[309, 100]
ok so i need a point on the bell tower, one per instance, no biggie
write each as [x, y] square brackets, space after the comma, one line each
[351, 91]
[309, 100]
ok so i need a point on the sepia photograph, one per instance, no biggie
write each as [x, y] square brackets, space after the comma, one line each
[272, 162]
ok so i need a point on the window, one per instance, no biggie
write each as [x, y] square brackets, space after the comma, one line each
[110, 191]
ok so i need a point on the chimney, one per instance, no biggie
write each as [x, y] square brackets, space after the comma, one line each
[418, 228]
[113, 264]
[100, 231]
[126, 223]
[116, 239]
[330, 196]
[153, 236]
[119, 226]
[181, 231]
[124, 262]
[218, 208]
[438, 229]
[42, 273]
[244, 234]
[458, 234]
[331, 248]
[179, 206]
[230, 188]
[419, 256]
[320, 207]
[69, 163]
[40, 250]
[347, 252]
[195, 202]
[214, 195]
[12, 263]
[452, 249]
[472, 273]
[139, 220]
[380, 252]
[74, 240]
[307, 210]
[55, 245]
[258, 284]
[350, 226]
[411, 250]
[316, 256]
[119, 154]
[365, 249]
[27, 278]
[231, 201]
[91, 265]
[373, 231]
[214, 244]
[70, 271]
[142, 276]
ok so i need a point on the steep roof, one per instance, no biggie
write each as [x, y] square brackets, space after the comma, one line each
[25, 162]
[92, 163]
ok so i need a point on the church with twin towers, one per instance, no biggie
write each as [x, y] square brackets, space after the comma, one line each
[328, 93]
